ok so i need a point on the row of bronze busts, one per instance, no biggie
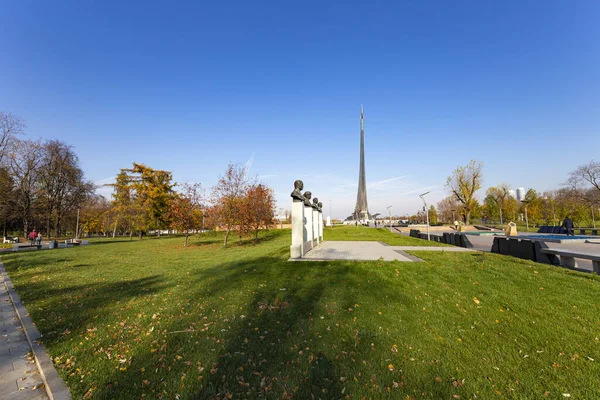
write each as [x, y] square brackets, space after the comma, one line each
[297, 194]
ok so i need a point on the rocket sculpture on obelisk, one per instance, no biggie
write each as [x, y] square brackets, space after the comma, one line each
[361, 211]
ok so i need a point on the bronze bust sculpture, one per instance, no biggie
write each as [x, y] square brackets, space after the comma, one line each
[320, 206]
[297, 193]
[315, 203]
[307, 196]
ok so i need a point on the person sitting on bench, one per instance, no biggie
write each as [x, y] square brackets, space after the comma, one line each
[568, 225]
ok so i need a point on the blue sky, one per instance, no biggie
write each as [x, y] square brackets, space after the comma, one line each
[189, 87]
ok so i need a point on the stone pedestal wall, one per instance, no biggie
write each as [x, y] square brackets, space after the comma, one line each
[307, 221]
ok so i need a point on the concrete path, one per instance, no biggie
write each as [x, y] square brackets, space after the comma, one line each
[19, 376]
[26, 370]
[363, 250]
[453, 249]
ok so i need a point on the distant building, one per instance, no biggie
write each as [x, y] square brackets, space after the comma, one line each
[520, 194]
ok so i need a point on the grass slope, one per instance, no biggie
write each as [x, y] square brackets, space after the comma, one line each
[150, 319]
[374, 234]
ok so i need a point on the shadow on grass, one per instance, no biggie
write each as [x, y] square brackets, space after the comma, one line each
[263, 339]
[73, 307]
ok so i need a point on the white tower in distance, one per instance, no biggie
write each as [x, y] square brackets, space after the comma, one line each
[520, 194]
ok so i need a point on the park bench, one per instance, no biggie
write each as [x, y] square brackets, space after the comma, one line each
[27, 246]
[10, 240]
[567, 258]
[583, 230]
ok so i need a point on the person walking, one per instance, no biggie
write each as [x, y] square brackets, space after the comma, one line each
[32, 237]
[568, 226]
[38, 240]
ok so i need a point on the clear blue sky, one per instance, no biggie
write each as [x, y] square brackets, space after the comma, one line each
[191, 87]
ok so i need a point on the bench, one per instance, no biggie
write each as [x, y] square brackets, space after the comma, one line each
[567, 258]
[583, 230]
[27, 246]
[10, 240]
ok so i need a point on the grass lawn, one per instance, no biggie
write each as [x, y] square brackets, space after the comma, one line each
[151, 319]
[374, 234]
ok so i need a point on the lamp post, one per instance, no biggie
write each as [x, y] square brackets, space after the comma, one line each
[422, 196]
[330, 215]
[390, 214]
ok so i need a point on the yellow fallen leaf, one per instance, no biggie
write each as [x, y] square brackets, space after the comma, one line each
[476, 300]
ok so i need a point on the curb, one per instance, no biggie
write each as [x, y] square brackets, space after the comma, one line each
[55, 386]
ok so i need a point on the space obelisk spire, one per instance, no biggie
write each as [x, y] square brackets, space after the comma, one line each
[361, 211]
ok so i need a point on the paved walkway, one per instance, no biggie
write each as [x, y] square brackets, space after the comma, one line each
[363, 250]
[19, 376]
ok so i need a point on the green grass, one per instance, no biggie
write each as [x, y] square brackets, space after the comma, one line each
[150, 319]
[375, 234]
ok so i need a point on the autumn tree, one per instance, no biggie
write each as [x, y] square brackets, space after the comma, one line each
[125, 206]
[7, 197]
[25, 161]
[154, 191]
[534, 203]
[259, 207]
[227, 198]
[447, 209]
[63, 187]
[185, 210]
[141, 198]
[433, 216]
[585, 182]
[495, 199]
[95, 215]
[464, 182]
[10, 128]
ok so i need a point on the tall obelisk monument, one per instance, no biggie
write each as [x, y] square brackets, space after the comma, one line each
[361, 211]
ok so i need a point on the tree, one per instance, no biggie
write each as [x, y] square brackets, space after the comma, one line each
[141, 198]
[227, 197]
[447, 209]
[125, 204]
[496, 197]
[185, 210]
[95, 215]
[259, 207]
[511, 208]
[25, 161]
[464, 182]
[585, 182]
[7, 197]
[10, 127]
[534, 204]
[154, 192]
[433, 217]
[62, 184]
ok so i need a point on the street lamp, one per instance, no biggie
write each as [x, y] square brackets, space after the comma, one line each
[422, 196]
[390, 214]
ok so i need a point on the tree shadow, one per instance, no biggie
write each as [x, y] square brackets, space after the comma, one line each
[62, 307]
